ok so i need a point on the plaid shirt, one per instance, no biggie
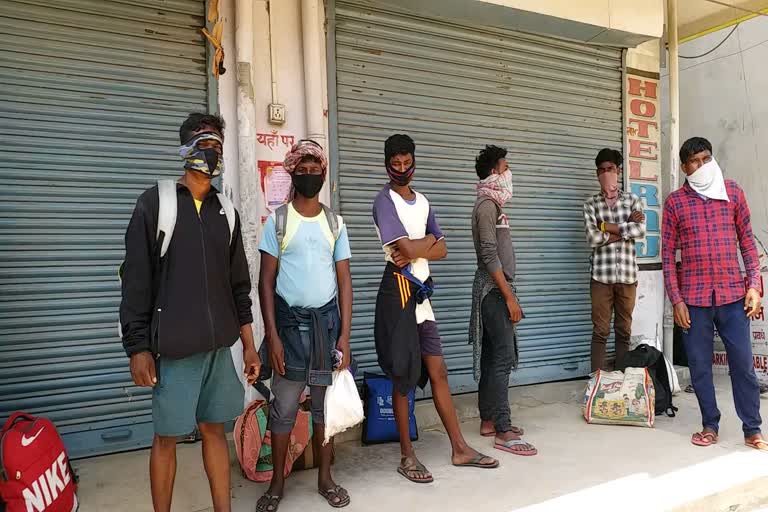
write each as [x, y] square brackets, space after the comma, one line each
[706, 231]
[617, 262]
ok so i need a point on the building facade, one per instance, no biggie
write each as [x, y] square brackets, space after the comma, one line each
[96, 95]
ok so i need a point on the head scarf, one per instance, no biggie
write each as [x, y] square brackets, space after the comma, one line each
[201, 160]
[496, 187]
[301, 150]
[708, 181]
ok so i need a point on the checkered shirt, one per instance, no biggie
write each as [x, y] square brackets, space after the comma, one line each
[617, 262]
[707, 231]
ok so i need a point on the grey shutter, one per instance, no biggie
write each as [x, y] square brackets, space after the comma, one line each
[91, 98]
[454, 88]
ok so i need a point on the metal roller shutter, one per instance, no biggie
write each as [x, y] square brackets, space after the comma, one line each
[91, 98]
[454, 88]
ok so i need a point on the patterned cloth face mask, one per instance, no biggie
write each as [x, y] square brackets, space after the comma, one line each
[207, 161]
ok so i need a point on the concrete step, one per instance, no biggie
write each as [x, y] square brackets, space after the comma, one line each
[747, 497]
[579, 466]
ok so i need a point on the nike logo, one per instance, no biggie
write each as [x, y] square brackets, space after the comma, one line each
[222, 212]
[26, 441]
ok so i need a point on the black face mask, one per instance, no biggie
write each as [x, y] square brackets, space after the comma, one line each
[212, 159]
[308, 185]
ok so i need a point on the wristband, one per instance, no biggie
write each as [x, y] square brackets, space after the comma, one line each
[602, 227]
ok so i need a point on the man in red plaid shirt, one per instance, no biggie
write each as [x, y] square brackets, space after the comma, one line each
[706, 218]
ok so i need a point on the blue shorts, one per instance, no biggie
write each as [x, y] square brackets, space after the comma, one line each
[203, 388]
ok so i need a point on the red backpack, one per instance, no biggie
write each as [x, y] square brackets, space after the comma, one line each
[35, 474]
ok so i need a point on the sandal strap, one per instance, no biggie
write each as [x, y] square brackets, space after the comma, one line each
[479, 458]
[413, 465]
[336, 496]
[268, 500]
[514, 442]
[337, 490]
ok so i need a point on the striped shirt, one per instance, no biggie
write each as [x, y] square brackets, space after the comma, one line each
[616, 262]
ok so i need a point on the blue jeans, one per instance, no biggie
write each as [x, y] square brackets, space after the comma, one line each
[733, 325]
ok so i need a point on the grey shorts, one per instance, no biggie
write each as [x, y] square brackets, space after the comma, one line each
[285, 406]
[287, 393]
[203, 388]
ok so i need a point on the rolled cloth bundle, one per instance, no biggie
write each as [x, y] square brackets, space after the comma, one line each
[301, 150]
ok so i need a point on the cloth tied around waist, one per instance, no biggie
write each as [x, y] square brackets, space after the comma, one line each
[323, 325]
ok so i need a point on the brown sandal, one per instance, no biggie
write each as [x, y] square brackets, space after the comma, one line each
[477, 462]
[758, 444]
[336, 496]
[704, 438]
[410, 466]
[268, 503]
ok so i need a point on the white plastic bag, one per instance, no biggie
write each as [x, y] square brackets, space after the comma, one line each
[343, 407]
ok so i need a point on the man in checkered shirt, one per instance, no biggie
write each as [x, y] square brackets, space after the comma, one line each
[708, 219]
[613, 219]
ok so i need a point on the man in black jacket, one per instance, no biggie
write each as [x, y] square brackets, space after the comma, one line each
[181, 313]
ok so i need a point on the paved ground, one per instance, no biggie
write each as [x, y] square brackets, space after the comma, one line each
[579, 466]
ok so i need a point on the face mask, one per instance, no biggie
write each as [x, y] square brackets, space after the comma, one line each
[505, 182]
[308, 185]
[401, 178]
[708, 181]
[205, 161]
[497, 187]
[609, 182]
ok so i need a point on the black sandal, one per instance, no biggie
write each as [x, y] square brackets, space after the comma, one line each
[336, 496]
[410, 465]
[268, 503]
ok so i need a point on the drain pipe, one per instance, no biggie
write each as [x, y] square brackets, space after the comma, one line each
[250, 218]
[674, 146]
[315, 86]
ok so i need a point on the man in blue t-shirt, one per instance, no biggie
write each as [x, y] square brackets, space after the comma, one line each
[305, 290]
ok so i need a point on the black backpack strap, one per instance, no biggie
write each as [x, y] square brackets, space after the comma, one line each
[263, 390]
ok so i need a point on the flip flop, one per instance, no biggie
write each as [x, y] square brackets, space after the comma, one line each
[475, 463]
[704, 438]
[515, 430]
[757, 444]
[336, 493]
[268, 503]
[410, 465]
[508, 446]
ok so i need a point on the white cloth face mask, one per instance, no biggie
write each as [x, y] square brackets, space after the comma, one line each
[708, 181]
